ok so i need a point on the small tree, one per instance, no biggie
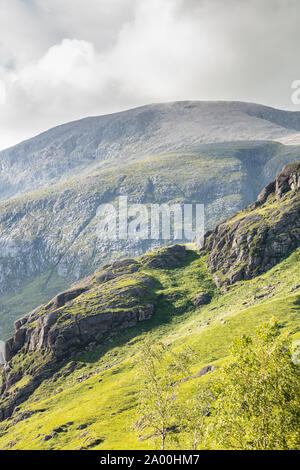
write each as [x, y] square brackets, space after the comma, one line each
[195, 414]
[161, 374]
[258, 403]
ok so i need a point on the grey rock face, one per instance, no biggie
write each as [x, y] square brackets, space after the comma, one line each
[259, 237]
[205, 370]
[168, 257]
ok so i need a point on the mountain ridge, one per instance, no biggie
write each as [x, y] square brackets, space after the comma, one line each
[153, 104]
[67, 150]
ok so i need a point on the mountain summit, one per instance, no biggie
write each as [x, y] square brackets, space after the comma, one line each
[99, 142]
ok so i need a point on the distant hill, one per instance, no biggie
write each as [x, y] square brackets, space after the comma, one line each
[98, 142]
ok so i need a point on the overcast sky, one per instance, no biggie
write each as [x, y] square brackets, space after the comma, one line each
[61, 60]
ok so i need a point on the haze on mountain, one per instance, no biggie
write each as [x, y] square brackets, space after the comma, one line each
[90, 144]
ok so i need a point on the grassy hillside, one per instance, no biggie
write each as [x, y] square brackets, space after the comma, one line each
[98, 387]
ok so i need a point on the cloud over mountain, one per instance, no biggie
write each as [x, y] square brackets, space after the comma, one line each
[64, 60]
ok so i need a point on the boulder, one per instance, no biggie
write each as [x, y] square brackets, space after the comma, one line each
[201, 298]
[168, 257]
[205, 370]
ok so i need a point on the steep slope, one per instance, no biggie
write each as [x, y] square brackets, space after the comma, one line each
[97, 142]
[49, 238]
[80, 347]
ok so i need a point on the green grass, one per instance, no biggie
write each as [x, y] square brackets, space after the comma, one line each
[108, 406]
[269, 213]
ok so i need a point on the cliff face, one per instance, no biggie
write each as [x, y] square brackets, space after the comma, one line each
[255, 239]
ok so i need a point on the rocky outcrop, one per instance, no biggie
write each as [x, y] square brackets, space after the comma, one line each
[75, 318]
[90, 312]
[260, 236]
[288, 179]
[168, 257]
[87, 311]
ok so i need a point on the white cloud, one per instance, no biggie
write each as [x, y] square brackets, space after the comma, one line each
[65, 60]
[71, 66]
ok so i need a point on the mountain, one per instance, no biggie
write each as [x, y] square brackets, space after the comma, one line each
[49, 238]
[72, 361]
[184, 152]
[84, 146]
